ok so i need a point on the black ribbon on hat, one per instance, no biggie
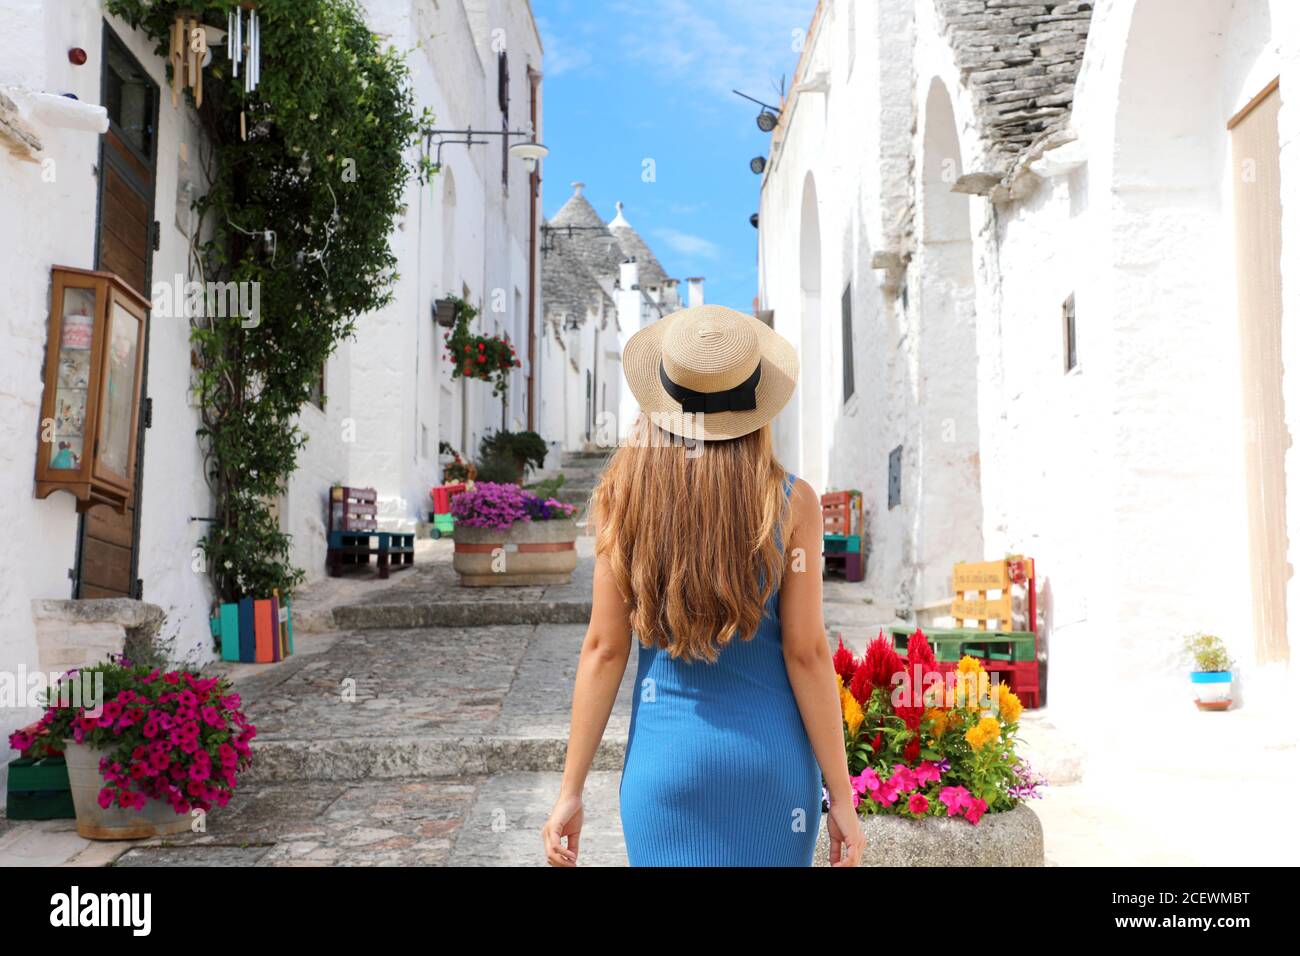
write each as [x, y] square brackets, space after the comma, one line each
[741, 398]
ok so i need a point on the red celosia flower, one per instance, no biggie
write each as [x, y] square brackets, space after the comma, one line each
[882, 662]
[920, 652]
[844, 662]
[912, 752]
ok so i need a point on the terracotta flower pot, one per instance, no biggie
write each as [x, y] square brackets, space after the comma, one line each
[526, 553]
[1011, 838]
[94, 822]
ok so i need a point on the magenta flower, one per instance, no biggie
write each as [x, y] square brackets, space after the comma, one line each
[918, 804]
[956, 799]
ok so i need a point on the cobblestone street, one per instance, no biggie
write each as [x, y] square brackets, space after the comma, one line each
[443, 745]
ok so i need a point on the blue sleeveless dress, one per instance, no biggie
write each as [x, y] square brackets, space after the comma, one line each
[719, 770]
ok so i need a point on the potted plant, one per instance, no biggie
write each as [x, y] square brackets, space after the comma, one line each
[152, 749]
[456, 469]
[506, 455]
[1212, 673]
[444, 311]
[507, 536]
[932, 758]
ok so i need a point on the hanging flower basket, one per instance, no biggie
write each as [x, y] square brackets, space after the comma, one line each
[488, 358]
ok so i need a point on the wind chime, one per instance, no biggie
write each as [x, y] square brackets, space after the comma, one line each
[189, 52]
[244, 46]
[187, 55]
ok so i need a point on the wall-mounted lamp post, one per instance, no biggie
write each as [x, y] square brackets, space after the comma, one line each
[530, 151]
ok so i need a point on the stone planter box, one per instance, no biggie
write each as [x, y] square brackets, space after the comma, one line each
[526, 553]
[1013, 838]
[96, 823]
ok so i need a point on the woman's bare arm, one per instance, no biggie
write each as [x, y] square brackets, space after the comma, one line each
[803, 642]
[603, 660]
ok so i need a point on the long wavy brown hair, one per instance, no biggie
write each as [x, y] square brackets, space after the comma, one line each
[691, 534]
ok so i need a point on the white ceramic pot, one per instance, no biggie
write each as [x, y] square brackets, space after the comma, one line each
[1212, 690]
[114, 823]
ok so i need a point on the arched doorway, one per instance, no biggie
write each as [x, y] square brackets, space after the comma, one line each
[945, 481]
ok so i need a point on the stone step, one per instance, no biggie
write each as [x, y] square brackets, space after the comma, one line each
[402, 615]
[394, 758]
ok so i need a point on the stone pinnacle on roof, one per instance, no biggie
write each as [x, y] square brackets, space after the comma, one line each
[649, 271]
[580, 228]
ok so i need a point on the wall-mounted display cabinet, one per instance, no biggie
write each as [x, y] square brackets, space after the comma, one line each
[91, 407]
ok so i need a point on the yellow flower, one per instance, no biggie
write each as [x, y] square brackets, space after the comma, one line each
[938, 721]
[969, 665]
[983, 733]
[1008, 704]
[851, 710]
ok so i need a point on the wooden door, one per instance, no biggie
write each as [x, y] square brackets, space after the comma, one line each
[1258, 208]
[107, 552]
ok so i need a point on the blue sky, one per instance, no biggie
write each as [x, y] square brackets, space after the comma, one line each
[630, 80]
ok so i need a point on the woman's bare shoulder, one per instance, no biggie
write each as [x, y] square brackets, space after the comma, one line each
[804, 500]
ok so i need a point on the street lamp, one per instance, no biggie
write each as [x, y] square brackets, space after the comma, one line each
[530, 151]
[767, 116]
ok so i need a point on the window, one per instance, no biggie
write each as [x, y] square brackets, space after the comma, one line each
[1067, 321]
[317, 396]
[503, 101]
[896, 477]
[846, 320]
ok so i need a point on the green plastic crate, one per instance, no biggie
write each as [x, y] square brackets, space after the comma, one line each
[951, 644]
[39, 790]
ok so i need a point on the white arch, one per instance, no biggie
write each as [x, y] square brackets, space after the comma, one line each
[943, 481]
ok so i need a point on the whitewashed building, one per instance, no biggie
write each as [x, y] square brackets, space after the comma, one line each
[1035, 257]
[601, 283]
[387, 397]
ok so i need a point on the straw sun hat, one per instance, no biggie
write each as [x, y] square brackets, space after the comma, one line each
[710, 373]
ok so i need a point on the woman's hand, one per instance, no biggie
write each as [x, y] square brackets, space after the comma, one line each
[565, 821]
[845, 830]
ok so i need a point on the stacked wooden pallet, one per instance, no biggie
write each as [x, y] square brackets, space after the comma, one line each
[353, 524]
[843, 533]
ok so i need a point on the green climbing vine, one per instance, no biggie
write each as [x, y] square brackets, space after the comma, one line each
[305, 176]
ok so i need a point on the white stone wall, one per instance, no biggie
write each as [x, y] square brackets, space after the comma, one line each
[53, 222]
[1124, 478]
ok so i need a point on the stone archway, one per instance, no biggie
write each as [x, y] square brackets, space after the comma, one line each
[945, 482]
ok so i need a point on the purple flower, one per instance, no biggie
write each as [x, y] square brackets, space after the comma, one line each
[498, 506]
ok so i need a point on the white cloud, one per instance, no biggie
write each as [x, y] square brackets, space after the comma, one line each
[719, 46]
[559, 56]
[686, 244]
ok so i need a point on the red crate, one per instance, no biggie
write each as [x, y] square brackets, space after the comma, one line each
[442, 495]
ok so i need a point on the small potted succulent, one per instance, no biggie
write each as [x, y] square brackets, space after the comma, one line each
[150, 749]
[508, 536]
[1212, 671]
